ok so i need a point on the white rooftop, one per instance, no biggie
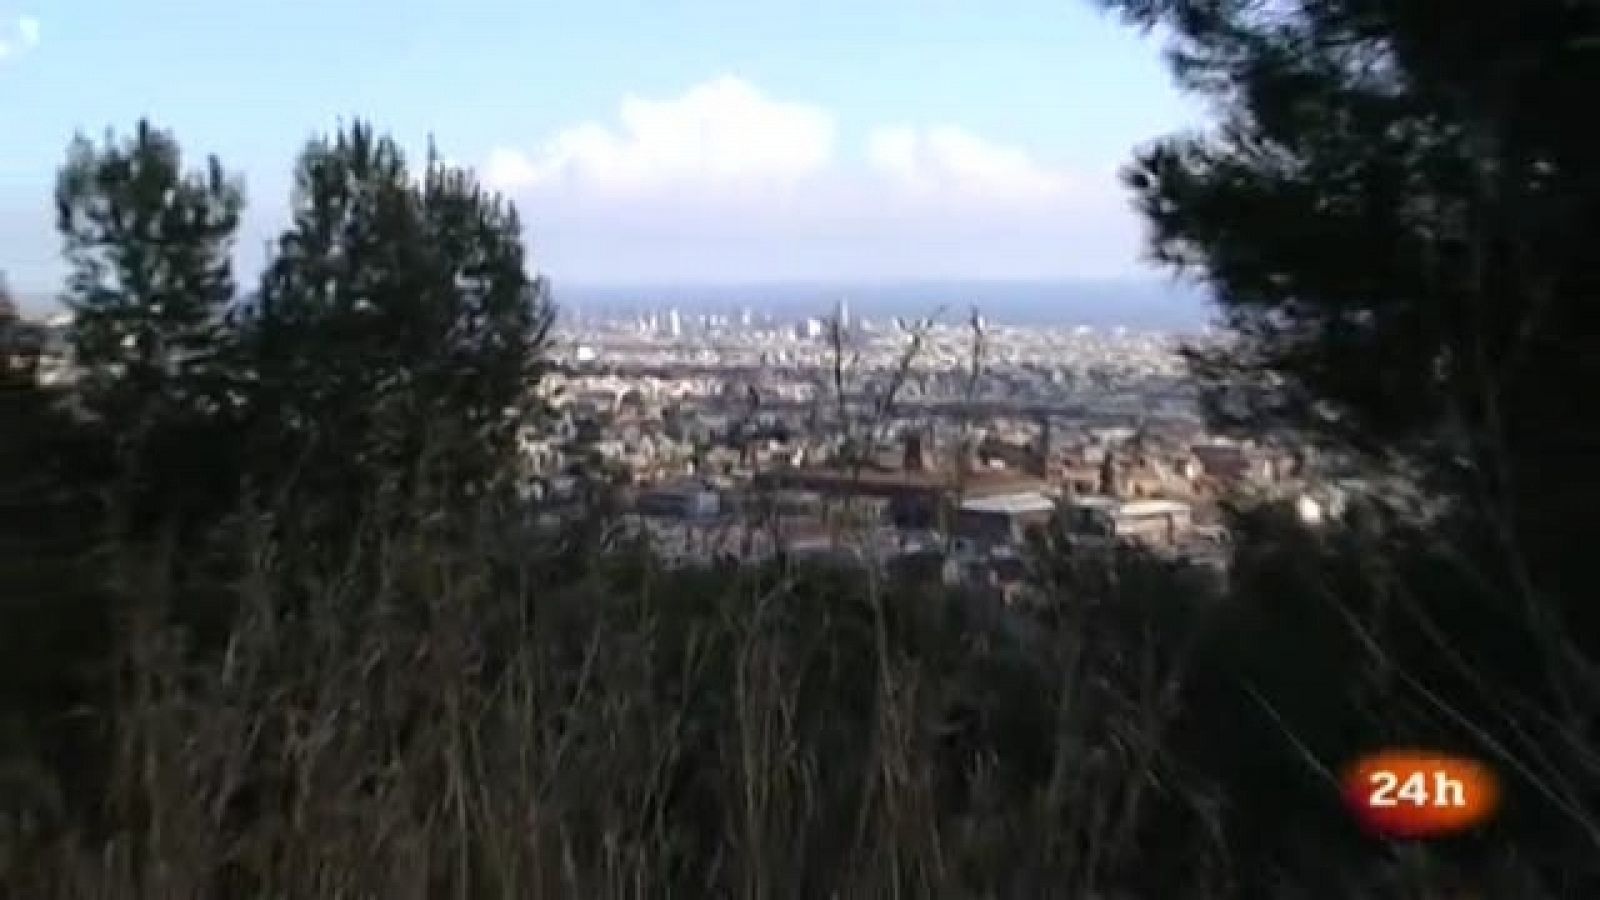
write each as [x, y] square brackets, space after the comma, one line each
[1010, 504]
[1152, 508]
[1094, 501]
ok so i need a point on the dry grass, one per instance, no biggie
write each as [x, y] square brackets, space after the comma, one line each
[431, 722]
[466, 713]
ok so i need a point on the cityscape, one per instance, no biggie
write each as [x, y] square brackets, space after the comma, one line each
[737, 434]
[954, 442]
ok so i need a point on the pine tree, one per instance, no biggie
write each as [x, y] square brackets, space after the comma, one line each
[1396, 219]
[150, 283]
[397, 327]
[150, 276]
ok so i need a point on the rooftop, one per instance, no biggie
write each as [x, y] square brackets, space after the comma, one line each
[1010, 504]
[1152, 508]
[1094, 501]
[979, 482]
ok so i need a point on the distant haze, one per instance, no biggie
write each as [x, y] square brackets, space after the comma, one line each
[1140, 304]
[1145, 305]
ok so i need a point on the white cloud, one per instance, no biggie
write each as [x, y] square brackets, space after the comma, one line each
[948, 158]
[724, 181]
[23, 35]
[722, 131]
[509, 169]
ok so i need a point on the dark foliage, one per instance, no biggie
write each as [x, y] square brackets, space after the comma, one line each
[149, 284]
[1395, 219]
[397, 317]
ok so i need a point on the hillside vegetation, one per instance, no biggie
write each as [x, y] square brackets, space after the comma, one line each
[275, 620]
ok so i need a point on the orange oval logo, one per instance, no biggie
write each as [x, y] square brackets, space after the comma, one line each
[1419, 794]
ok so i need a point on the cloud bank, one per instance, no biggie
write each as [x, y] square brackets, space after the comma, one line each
[724, 132]
[725, 182]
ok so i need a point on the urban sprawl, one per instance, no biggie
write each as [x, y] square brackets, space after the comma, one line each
[947, 443]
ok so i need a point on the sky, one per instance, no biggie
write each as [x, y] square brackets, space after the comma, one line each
[644, 141]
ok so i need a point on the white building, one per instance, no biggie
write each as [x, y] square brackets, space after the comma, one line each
[1154, 522]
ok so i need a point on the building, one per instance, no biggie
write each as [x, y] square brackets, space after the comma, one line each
[689, 499]
[1003, 518]
[916, 499]
[1230, 464]
[1154, 522]
[1160, 523]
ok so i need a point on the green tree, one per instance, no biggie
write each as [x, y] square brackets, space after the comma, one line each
[150, 282]
[397, 329]
[1395, 219]
[150, 276]
[1396, 227]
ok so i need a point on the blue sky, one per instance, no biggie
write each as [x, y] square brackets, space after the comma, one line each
[645, 140]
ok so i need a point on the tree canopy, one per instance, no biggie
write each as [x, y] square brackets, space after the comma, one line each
[396, 318]
[150, 275]
[1395, 218]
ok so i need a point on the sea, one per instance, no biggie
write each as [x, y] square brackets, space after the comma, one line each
[1153, 305]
